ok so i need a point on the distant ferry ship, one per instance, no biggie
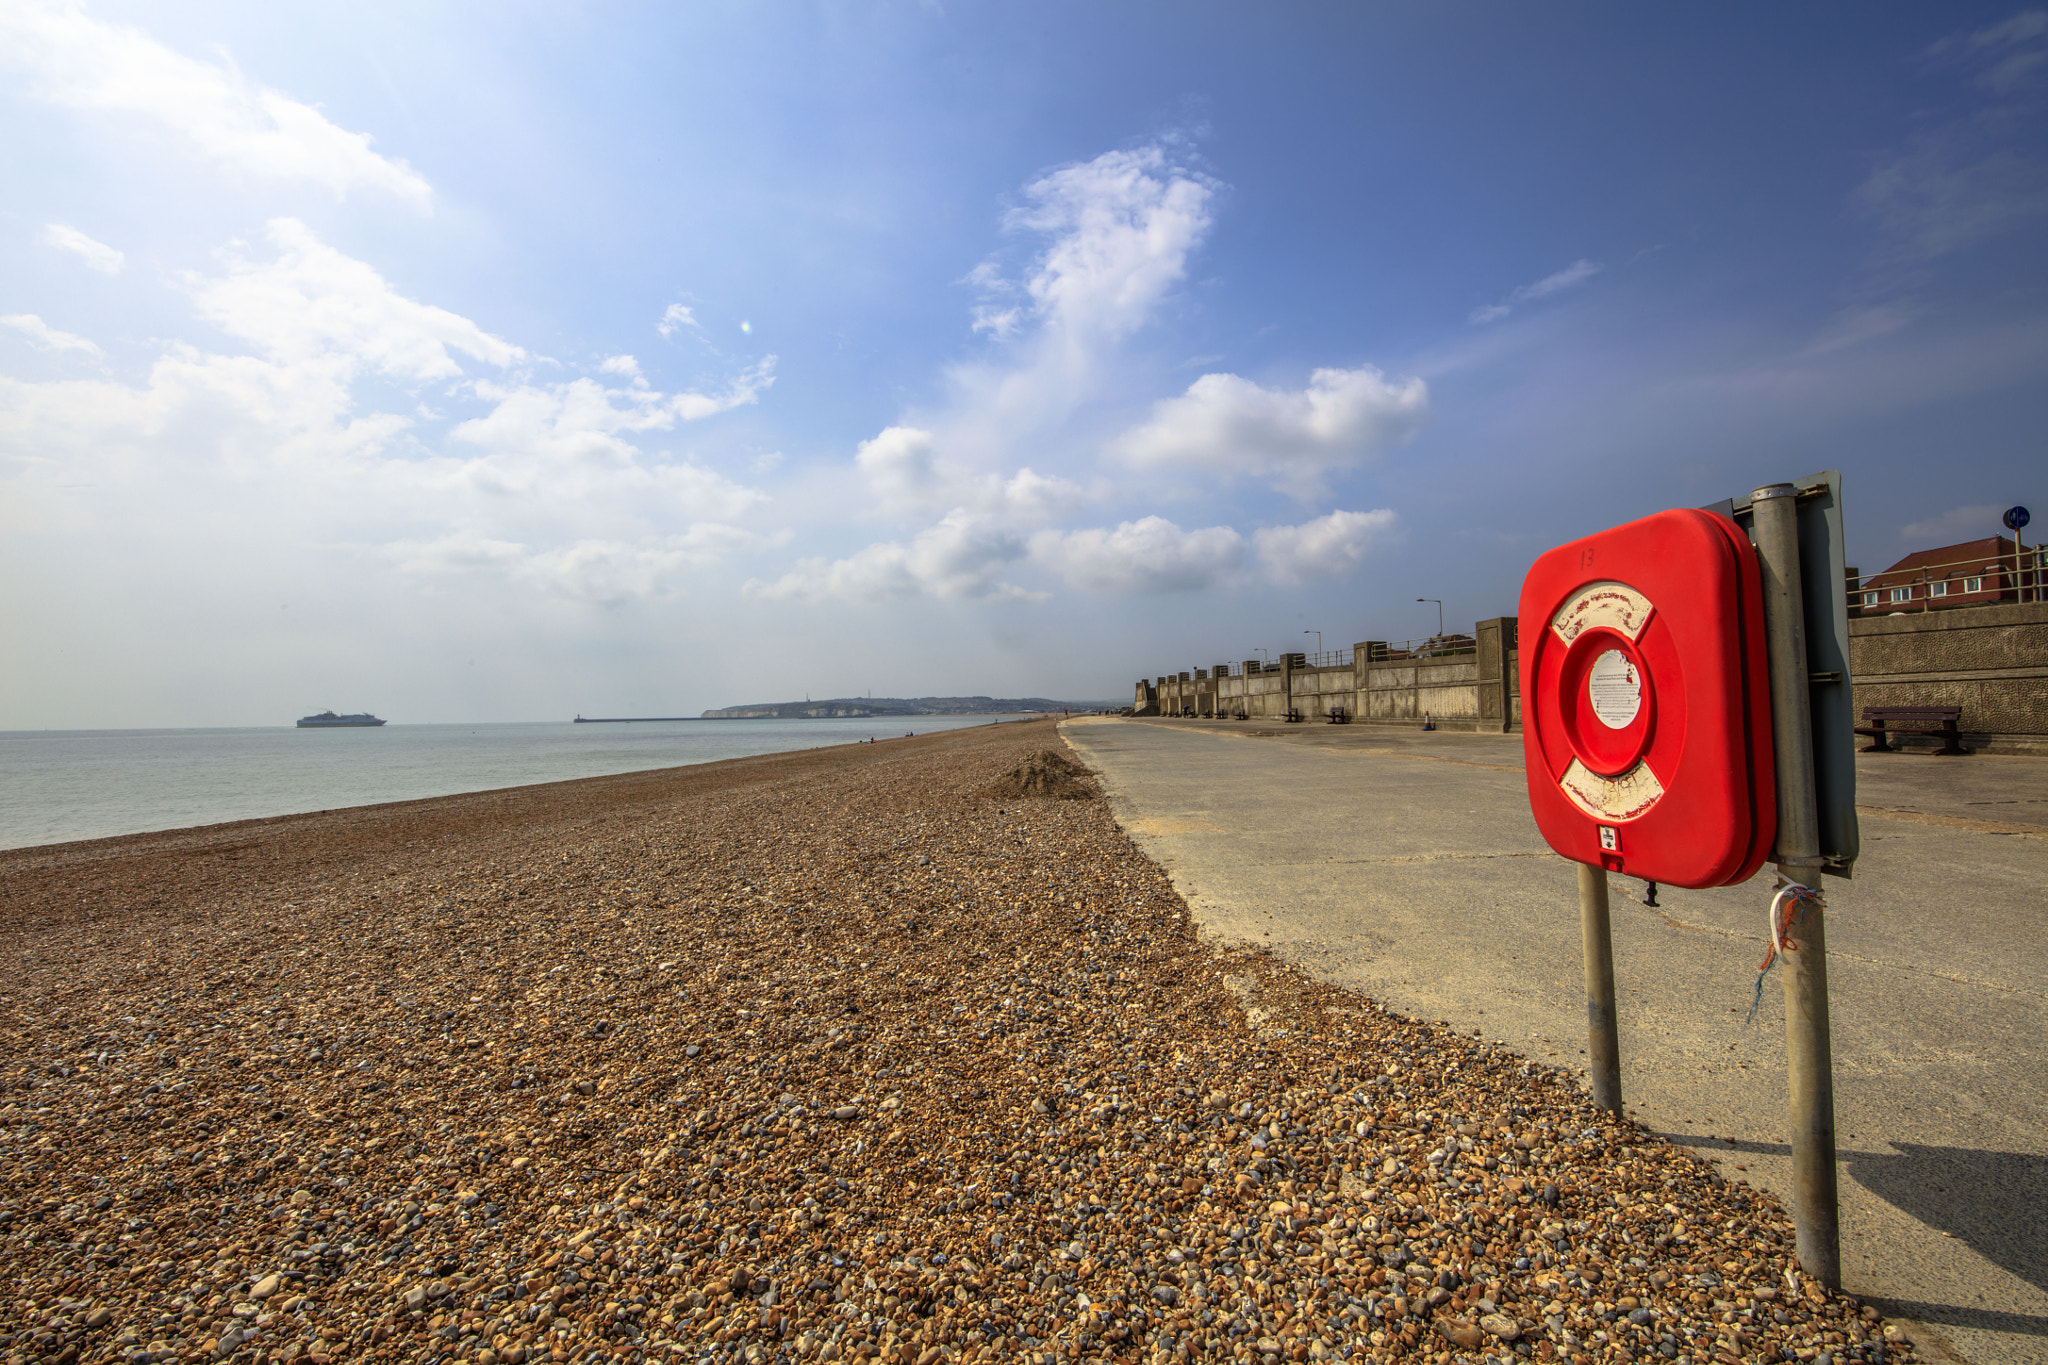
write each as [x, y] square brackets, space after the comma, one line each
[328, 720]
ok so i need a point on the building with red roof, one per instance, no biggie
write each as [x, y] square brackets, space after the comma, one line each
[1973, 574]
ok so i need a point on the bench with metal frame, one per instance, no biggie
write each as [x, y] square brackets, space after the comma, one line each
[1883, 722]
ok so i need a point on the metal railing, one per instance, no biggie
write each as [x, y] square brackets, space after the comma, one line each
[2024, 574]
[1382, 651]
[1435, 647]
[1238, 670]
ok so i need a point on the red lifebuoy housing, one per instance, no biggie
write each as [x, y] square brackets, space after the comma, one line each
[1646, 704]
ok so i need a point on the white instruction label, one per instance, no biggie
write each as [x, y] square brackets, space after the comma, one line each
[1615, 690]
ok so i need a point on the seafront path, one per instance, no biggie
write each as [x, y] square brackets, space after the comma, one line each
[1405, 865]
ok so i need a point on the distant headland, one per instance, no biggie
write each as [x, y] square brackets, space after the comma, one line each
[902, 706]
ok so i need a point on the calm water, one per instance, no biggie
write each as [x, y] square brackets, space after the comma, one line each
[58, 785]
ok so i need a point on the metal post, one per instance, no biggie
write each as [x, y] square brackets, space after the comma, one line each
[1603, 1043]
[1808, 1051]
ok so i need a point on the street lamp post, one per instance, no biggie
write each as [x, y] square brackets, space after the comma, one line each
[1439, 614]
[2016, 519]
[1319, 639]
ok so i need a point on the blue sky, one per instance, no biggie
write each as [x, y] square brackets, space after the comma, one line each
[501, 363]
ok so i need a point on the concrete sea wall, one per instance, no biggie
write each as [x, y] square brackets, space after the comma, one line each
[1468, 681]
[1992, 661]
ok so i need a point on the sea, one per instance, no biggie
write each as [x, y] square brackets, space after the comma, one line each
[61, 785]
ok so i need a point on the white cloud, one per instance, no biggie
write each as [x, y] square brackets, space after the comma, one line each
[318, 321]
[1944, 192]
[84, 63]
[1227, 426]
[677, 317]
[1000, 323]
[456, 552]
[1120, 229]
[2021, 28]
[313, 301]
[2012, 48]
[1150, 555]
[601, 571]
[1956, 525]
[1325, 548]
[1030, 496]
[899, 466]
[1577, 273]
[610, 571]
[544, 488]
[48, 338]
[579, 419]
[902, 468]
[96, 255]
[570, 439]
[1117, 232]
[1001, 317]
[1123, 226]
[1855, 326]
[988, 276]
[962, 556]
[745, 388]
[874, 574]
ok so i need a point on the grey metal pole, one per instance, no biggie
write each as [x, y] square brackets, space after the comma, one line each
[1809, 1054]
[1603, 1043]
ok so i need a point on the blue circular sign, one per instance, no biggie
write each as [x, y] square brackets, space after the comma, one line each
[2016, 518]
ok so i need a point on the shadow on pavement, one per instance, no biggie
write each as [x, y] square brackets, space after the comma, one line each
[1996, 1203]
[1953, 1315]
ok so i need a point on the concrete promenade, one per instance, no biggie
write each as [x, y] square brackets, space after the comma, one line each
[1405, 865]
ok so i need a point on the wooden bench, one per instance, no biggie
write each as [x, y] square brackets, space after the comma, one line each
[1294, 715]
[1338, 716]
[1242, 714]
[1882, 722]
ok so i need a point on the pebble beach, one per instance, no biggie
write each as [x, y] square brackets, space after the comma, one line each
[897, 1052]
